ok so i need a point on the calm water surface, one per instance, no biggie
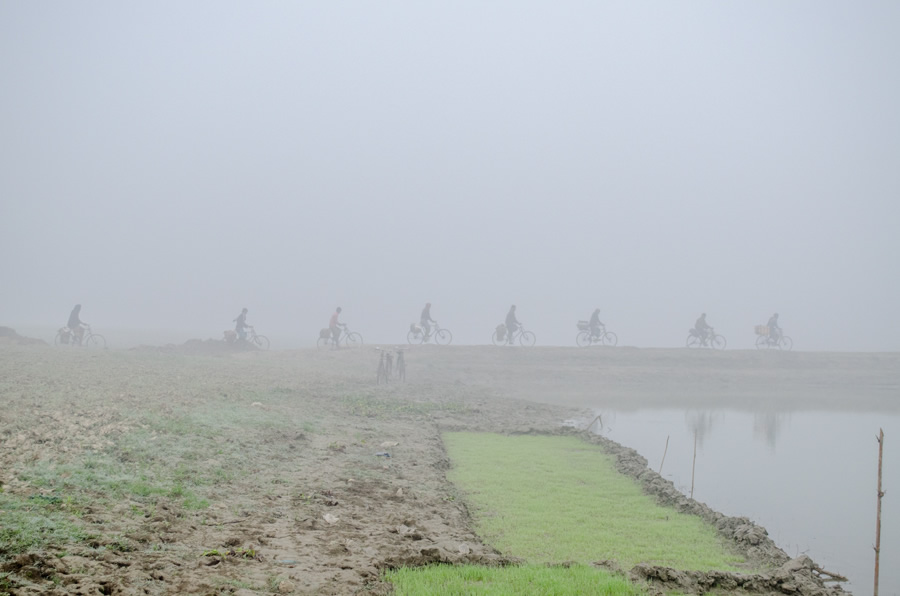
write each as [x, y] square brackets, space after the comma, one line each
[810, 478]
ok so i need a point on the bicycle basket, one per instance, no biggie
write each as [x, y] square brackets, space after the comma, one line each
[414, 328]
[762, 330]
[325, 333]
[501, 331]
[583, 325]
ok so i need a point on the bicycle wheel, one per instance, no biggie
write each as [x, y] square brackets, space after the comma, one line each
[323, 342]
[692, 341]
[262, 341]
[718, 342]
[353, 340]
[443, 337]
[583, 339]
[527, 339]
[498, 341]
[415, 337]
[95, 341]
[762, 342]
[785, 343]
[610, 339]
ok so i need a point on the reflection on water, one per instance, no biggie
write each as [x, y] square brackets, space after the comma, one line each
[808, 477]
[700, 424]
[768, 426]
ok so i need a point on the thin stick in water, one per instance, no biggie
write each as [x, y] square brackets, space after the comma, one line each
[881, 493]
[666, 450]
[596, 418]
[694, 464]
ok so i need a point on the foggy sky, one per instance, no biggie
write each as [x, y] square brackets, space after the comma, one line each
[169, 163]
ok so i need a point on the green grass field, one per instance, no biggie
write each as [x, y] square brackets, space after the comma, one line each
[553, 499]
[500, 581]
[558, 499]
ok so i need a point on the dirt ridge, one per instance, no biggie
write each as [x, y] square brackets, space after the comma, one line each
[800, 575]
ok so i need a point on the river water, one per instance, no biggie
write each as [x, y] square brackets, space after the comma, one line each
[810, 478]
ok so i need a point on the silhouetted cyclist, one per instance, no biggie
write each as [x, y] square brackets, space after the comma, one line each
[702, 328]
[512, 323]
[596, 325]
[240, 325]
[774, 329]
[76, 325]
[335, 327]
[425, 320]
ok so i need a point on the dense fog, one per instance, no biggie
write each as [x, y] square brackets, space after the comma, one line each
[168, 164]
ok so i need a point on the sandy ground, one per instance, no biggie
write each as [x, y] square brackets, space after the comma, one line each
[316, 511]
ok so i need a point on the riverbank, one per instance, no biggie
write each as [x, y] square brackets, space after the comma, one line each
[155, 471]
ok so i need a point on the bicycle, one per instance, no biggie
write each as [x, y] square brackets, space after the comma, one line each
[385, 367]
[417, 335]
[586, 338]
[764, 340]
[712, 340]
[350, 339]
[525, 338]
[260, 341]
[89, 339]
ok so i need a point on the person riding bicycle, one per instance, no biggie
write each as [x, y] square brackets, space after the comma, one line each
[512, 323]
[774, 329]
[595, 323]
[425, 319]
[702, 329]
[335, 327]
[240, 325]
[76, 325]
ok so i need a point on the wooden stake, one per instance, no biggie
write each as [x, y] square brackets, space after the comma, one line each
[694, 464]
[666, 450]
[596, 418]
[881, 493]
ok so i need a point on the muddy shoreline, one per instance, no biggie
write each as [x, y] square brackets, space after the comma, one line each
[800, 575]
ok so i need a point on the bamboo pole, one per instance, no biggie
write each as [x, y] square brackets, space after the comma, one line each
[596, 418]
[880, 439]
[666, 450]
[694, 465]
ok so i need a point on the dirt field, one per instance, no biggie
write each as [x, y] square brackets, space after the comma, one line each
[250, 472]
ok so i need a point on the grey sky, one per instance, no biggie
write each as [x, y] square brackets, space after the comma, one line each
[166, 164]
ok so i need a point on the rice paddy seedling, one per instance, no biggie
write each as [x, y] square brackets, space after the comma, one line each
[490, 581]
[552, 499]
